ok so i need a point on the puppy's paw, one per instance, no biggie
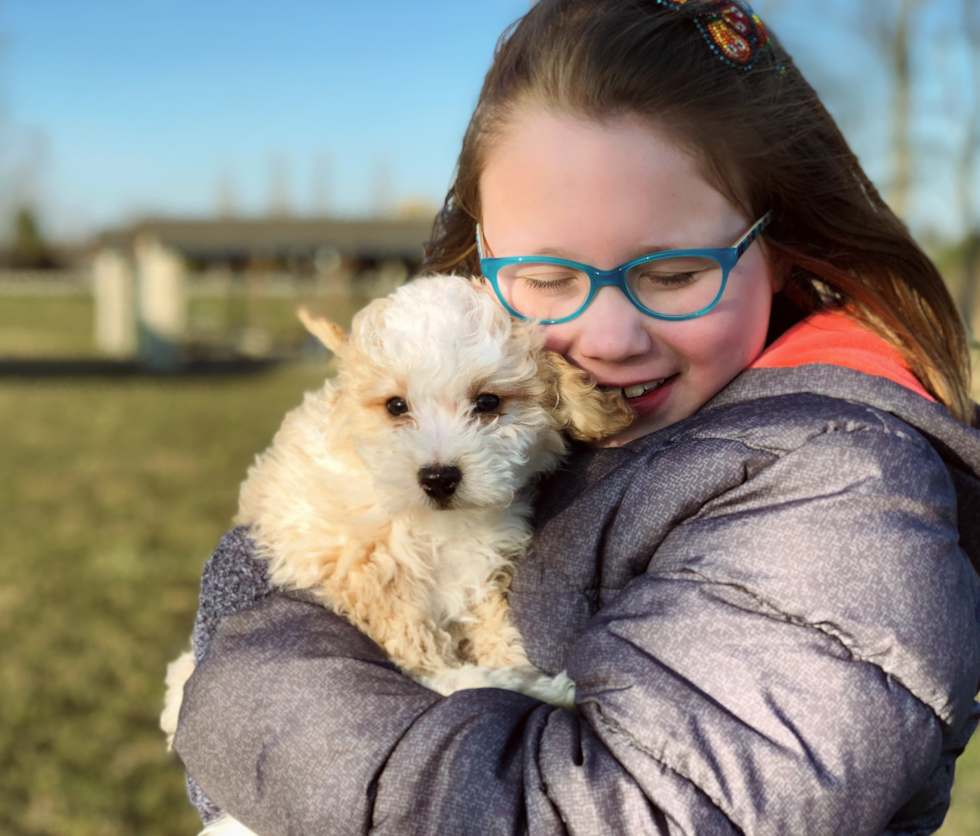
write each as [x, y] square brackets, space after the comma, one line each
[225, 825]
[459, 679]
[559, 690]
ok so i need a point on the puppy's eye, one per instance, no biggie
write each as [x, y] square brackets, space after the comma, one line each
[486, 403]
[397, 406]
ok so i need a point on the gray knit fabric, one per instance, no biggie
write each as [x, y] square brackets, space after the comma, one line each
[233, 581]
[769, 610]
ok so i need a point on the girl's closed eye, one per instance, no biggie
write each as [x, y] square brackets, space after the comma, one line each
[672, 272]
[549, 283]
[653, 280]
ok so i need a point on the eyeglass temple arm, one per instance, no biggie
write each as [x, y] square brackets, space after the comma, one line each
[746, 240]
[479, 241]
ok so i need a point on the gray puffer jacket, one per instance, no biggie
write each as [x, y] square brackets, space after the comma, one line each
[769, 609]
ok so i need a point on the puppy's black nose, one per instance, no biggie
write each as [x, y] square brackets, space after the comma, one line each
[439, 482]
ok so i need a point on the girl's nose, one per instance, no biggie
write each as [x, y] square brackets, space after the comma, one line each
[612, 329]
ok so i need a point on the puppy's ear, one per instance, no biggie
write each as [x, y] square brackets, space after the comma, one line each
[586, 411]
[331, 335]
[481, 285]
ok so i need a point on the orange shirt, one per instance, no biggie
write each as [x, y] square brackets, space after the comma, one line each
[834, 338]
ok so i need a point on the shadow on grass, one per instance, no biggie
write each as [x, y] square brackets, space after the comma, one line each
[84, 367]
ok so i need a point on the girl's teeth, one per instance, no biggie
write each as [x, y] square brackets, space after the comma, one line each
[642, 388]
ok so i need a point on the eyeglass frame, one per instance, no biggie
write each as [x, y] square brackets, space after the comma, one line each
[726, 257]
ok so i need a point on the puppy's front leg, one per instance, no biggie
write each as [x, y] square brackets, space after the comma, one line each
[492, 639]
[405, 632]
[494, 642]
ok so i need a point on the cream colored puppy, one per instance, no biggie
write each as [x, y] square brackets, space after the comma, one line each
[400, 492]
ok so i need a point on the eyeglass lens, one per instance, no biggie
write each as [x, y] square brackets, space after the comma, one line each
[670, 286]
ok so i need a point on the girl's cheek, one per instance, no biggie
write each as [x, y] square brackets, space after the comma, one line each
[557, 338]
[703, 343]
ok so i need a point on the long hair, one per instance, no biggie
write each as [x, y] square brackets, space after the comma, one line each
[761, 137]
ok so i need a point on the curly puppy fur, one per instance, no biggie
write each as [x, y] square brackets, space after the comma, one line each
[339, 503]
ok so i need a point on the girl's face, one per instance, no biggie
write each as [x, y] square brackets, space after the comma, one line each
[604, 194]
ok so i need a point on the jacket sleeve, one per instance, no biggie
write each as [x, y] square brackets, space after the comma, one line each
[800, 656]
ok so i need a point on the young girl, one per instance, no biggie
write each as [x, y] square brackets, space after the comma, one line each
[763, 588]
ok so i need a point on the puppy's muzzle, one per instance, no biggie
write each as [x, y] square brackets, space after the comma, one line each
[440, 482]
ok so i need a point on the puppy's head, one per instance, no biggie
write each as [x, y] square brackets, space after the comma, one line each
[450, 403]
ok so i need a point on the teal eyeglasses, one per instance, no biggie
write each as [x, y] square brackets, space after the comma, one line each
[674, 284]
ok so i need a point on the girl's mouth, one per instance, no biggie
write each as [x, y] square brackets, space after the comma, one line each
[640, 389]
[646, 398]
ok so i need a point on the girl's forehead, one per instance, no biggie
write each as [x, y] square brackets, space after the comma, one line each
[558, 181]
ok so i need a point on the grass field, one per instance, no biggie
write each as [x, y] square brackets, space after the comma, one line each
[113, 495]
[41, 327]
[61, 327]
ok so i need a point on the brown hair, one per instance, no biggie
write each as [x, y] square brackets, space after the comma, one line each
[763, 139]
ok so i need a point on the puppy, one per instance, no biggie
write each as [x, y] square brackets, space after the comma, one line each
[400, 493]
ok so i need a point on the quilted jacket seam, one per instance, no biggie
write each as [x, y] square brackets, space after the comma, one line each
[770, 610]
[913, 438]
[616, 729]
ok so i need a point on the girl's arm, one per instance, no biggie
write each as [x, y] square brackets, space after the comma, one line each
[800, 657]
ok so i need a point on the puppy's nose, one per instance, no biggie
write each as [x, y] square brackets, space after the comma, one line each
[439, 482]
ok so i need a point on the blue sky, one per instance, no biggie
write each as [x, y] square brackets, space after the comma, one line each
[117, 108]
[147, 104]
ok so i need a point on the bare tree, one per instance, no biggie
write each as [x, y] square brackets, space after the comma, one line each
[226, 195]
[24, 160]
[279, 203]
[891, 24]
[765, 8]
[322, 185]
[382, 192]
[968, 166]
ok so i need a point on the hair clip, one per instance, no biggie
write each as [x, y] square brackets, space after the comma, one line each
[732, 30]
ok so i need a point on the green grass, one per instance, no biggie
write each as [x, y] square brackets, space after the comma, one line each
[964, 814]
[113, 497]
[63, 327]
[218, 319]
[39, 327]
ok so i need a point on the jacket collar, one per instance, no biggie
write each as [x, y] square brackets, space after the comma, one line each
[931, 419]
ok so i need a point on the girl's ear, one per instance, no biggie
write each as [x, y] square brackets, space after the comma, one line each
[778, 266]
[587, 412]
[328, 333]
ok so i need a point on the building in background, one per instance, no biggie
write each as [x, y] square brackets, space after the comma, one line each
[171, 291]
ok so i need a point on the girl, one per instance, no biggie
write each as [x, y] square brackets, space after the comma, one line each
[763, 588]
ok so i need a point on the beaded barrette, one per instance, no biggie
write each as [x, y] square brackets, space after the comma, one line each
[732, 30]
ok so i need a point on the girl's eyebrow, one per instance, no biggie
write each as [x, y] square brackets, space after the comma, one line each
[638, 252]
